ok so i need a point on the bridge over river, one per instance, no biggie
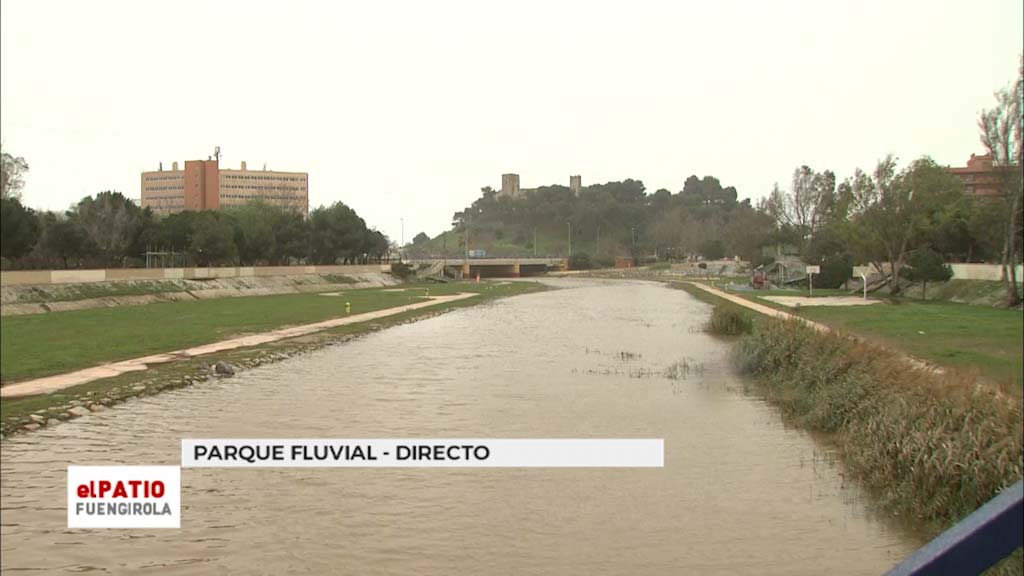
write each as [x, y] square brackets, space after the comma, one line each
[491, 267]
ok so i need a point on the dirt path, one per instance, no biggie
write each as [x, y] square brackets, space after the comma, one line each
[766, 310]
[769, 311]
[50, 384]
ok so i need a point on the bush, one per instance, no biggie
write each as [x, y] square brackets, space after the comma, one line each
[401, 270]
[927, 266]
[835, 270]
[580, 261]
[729, 320]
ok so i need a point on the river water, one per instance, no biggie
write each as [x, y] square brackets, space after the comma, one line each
[740, 493]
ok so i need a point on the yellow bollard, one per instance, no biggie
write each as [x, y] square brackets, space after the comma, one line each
[348, 308]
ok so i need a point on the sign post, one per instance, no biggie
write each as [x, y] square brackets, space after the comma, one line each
[811, 271]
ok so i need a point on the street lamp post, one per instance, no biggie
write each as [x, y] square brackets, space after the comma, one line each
[401, 248]
[570, 237]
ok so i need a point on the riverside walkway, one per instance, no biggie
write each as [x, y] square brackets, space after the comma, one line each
[757, 307]
[50, 384]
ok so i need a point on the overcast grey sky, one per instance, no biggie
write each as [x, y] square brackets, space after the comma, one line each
[404, 110]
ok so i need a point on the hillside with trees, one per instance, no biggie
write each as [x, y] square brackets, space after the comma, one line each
[606, 221]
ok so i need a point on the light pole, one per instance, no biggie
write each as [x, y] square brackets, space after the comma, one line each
[570, 237]
[401, 249]
[534, 241]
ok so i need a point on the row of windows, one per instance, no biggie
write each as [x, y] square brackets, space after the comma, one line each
[290, 197]
[251, 187]
[170, 177]
[249, 177]
[156, 198]
[159, 188]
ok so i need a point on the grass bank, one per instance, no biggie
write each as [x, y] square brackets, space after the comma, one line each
[44, 344]
[949, 334]
[959, 336]
[931, 447]
[15, 413]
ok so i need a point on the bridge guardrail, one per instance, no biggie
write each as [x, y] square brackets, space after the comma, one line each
[973, 544]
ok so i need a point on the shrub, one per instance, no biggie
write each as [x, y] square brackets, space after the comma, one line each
[580, 261]
[401, 270]
[835, 270]
[729, 321]
[927, 266]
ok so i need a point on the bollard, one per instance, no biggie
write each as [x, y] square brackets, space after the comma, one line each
[348, 308]
[426, 292]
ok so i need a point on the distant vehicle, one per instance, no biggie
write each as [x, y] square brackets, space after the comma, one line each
[477, 253]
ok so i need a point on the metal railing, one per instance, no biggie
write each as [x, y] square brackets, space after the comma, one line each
[975, 543]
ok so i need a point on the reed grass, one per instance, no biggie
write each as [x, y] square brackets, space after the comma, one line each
[931, 446]
[729, 321]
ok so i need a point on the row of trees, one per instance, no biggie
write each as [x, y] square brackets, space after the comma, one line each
[889, 215]
[109, 230]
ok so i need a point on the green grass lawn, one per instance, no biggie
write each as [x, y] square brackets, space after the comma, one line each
[44, 344]
[946, 333]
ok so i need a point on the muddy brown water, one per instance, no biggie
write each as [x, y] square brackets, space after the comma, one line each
[740, 492]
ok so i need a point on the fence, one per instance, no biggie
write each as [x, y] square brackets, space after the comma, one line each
[960, 271]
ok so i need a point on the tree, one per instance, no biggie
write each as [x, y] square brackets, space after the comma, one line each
[113, 224]
[836, 269]
[12, 175]
[336, 232]
[377, 245]
[291, 237]
[420, 238]
[926, 265]
[213, 239]
[1001, 133]
[807, 204]
[254, 231]
[19, 228]
[63, 239]
[895, 213]
[713, 249]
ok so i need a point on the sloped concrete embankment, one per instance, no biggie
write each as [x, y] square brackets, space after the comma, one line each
[42, 298]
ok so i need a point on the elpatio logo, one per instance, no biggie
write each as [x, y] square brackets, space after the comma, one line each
[124, 497]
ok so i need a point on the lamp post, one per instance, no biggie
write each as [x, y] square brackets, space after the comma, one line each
[570, 237]
[401, 248]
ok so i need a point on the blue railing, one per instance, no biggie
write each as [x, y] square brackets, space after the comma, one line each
[975, 543]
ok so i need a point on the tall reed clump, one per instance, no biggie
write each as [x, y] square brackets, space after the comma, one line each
[729, 320]
[932, 446]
